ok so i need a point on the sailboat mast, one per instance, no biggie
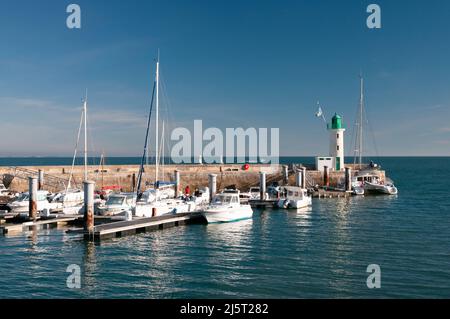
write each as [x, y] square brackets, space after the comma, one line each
[156, 122]
[361, 108]
[85, 137]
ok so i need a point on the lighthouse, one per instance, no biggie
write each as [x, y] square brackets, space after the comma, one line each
[336, 129]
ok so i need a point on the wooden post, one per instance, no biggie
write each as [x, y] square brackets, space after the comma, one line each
[348, 179]
[89, 205]
[212, 186]
[326, 179]
[40, 179]
[262, 185]
[32, 203]
[177, 183]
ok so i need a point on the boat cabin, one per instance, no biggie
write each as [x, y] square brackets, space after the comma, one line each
[294, 193]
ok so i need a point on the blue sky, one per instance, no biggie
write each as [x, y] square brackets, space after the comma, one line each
[230, 63]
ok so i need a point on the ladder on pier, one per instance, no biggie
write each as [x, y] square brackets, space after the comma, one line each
[50, 181]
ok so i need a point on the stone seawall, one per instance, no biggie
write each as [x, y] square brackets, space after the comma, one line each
[123, 175]
[193, 175]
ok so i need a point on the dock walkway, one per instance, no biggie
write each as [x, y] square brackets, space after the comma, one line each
[140, 225]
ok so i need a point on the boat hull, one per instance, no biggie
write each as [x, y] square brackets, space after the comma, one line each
[380, 189]
[220, 215]
[294, 204]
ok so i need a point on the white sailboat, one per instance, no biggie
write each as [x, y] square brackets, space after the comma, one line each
[367, 180]
[71, 200]
[161, 199]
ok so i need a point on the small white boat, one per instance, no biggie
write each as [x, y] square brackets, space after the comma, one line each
[227, 207]
[157, 202]
[117, 203]
[295, 197]
[21, 204]
[70, 201]
[370, 182]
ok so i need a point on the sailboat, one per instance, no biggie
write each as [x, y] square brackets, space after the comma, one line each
[367, 180]
[161, 199]
[70, 201]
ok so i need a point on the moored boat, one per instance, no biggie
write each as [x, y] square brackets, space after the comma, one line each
[295, 197]
[227, 207]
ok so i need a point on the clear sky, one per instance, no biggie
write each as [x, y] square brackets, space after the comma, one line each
[243, 63]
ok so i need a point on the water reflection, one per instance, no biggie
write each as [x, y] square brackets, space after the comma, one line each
[89, 268]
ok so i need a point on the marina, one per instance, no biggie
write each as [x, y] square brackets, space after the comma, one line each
[315, 252]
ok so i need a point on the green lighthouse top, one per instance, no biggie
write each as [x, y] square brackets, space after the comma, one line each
[336, 122]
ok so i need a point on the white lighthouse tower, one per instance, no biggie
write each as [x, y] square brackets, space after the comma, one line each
[337, 130]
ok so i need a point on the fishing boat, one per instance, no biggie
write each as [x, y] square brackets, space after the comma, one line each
[296, 197]
[227, 207]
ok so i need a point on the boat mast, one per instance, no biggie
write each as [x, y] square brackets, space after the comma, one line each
[156, 121]
[361, 108]
[141, 167]
[75, 151]
[85, 137]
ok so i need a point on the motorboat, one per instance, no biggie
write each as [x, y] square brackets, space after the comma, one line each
[117, 203]
[227, 207]
[22, 203]
[294, 197]
[386, 187]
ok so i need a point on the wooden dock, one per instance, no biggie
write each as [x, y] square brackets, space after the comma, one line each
[141, 225]
[26, 225]
[257, 203]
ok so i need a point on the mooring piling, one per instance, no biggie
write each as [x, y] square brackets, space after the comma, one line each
[285, 174]
[298, 179]
[40, 179]
[89, 205]
[326, 177]
[348, 179]
[262, 185]
[177, 182]
[33, 189]
[212, 185]
[303, 185]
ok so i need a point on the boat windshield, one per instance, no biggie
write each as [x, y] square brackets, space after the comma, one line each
[221, 200]
[23, 197]
[115, 200]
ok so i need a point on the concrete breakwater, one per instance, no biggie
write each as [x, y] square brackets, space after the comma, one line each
[196, 175]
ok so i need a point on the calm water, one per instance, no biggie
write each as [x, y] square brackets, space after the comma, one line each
[322, 252]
